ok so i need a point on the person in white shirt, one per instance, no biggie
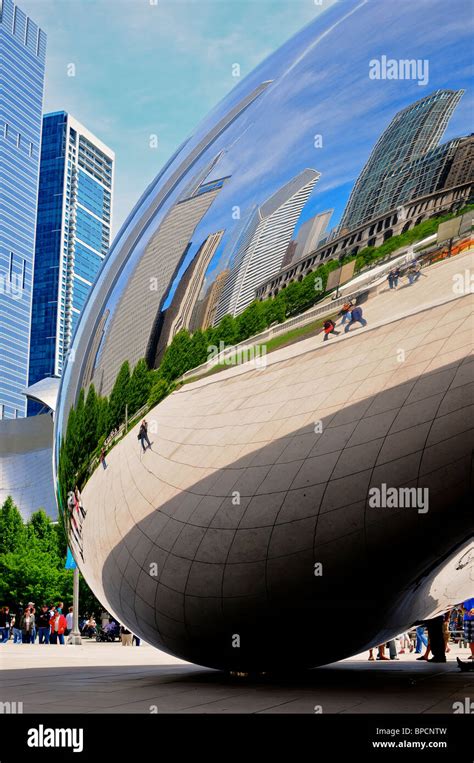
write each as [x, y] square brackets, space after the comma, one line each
[69, 621]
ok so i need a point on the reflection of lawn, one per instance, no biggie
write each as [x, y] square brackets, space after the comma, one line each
[284, 340]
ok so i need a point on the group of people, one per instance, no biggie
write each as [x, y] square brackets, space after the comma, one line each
[440, 630]
[109, 626]
[77, 515]
[49, 624]
[413, 272]
[350, 313]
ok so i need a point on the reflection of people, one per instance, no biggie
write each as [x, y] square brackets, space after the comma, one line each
[78, 498]
[436, 642]
[421, 639]
[356, 317]
[102, 458]
[329, 328]
[468, 622]
[345, 312]
[143, 434]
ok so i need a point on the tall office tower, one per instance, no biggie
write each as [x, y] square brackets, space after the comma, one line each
[141, 303]
[263, 243]
[405, 153]
[211, 300]
[22, 60]
[179, 313]
[73, 235]
[311, 233]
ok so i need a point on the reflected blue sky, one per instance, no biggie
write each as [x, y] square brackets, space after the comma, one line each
[320, 86]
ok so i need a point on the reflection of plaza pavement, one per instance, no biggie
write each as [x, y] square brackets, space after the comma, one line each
[302, 493]
[106, 678]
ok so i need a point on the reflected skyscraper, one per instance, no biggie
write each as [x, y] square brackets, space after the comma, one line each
[72, 238]
[149, 284]
[179, 314]
[22, 61]
[311, 233]
[406, 161]
[264, 241]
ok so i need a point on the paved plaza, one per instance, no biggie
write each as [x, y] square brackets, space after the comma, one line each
[108, 678]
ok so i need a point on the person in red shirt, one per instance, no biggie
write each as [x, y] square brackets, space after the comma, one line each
[58, 625]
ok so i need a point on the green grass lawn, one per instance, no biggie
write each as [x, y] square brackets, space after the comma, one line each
[276, 343]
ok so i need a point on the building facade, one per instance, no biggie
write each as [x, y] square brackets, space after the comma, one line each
[263, 243]
[406, 162]
[146, 289]
[22, 62]
[311, 233]
[72, 238]
[180, 313]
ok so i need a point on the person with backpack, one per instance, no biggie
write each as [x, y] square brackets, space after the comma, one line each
[329, 328]
[356, 317]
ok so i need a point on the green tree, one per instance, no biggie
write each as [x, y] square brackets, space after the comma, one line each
[139, 388]
[12, 530]
[118, 397]
[226, 331]
[251, 321]
[91, 412]
[198, 350]
[176, 359]
[158, 392]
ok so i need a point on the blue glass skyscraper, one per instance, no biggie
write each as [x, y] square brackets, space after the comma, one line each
[72, 237]
[22, 61]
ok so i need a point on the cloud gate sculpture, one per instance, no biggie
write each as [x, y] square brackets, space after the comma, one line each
[269, 523]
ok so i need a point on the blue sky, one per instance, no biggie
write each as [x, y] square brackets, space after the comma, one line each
[143, 69]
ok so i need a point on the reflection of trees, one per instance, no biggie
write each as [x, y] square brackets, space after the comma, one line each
[94, 418]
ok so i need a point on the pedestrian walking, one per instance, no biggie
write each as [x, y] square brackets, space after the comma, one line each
[390, 279]
[43, 625]
[356, 317]
[414, 272]
[5, 624]
[102, 458]
[143, 435]
[421, 639]
[345, 312]
[329, 328]
[395, 276]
